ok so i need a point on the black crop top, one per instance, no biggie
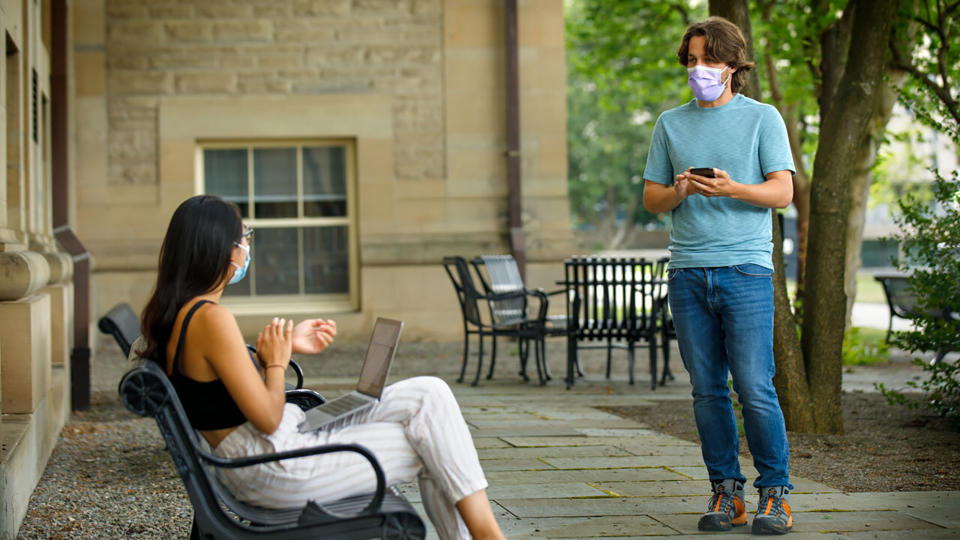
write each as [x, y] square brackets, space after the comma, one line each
[208, 404]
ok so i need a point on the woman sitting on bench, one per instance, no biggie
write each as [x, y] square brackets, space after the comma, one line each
[415, 431]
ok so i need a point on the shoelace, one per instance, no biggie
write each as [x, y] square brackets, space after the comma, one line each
[775, 507]
[725, 502]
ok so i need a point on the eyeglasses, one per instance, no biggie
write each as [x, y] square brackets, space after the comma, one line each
[247, 233]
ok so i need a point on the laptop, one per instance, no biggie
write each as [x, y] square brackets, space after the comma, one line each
[373, 375]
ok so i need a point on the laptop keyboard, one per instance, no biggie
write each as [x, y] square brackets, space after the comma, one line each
[343, 404]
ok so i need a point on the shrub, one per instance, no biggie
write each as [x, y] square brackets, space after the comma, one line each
[930, 236]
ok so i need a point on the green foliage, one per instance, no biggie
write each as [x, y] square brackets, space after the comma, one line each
[622, 73]
[930, 232]
[861, 346]
[927, 47]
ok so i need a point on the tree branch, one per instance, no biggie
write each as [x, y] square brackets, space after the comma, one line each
[942, 92]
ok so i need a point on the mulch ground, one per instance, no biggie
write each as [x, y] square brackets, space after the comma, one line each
[884, 447]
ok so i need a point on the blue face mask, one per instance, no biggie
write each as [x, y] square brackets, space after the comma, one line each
[241, 270]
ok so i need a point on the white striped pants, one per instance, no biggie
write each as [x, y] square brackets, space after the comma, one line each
[416, 431]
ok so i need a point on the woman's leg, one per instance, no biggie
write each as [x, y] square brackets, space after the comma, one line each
[476, 512]
[433, 424]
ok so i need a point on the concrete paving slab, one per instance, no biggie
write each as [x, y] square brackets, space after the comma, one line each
[653, 440]
[553, 451]
[531, 464]
[625, 506]
[506, 430]
[550, 476]
[620, 462]
[672, 450]
[599, 527]
[489, 442]
[700, 472]
[818, 522]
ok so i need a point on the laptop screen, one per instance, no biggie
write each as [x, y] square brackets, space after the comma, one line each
[376, 365]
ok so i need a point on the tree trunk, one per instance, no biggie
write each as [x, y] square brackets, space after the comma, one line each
[790, 379]
[862, 178]
[844, 127]
[791, 375]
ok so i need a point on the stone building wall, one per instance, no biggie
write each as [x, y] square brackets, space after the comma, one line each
[421, 85]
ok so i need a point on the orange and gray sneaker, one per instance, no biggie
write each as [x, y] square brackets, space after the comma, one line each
[725, 509]
[773, 513]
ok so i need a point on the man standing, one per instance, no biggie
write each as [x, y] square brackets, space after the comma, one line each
[719, 164]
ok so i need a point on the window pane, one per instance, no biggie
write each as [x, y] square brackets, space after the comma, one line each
[324, 181]
[225, 174]
[326, 261]
[275, 182]
[275, 261]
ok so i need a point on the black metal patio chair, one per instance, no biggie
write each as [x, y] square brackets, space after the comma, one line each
[610, 300]
[508, 321]
[500, 274]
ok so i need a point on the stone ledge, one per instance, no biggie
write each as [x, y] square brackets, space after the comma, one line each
[28, 441]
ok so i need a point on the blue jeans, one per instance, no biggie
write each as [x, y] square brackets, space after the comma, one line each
[724, 322]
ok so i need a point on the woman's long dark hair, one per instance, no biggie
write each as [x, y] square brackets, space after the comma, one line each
[193, 260]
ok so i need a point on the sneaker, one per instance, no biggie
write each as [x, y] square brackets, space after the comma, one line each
[725, 509]
[773, 513]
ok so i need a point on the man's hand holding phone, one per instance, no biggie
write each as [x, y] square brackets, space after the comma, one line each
[710, 182]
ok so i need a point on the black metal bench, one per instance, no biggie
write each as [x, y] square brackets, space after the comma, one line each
[147, 391]
[903, 303]
[612, 300]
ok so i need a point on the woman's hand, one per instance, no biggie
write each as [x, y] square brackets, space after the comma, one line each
[313, 336]
[275, 342]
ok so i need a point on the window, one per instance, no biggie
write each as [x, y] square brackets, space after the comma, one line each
[298, 196]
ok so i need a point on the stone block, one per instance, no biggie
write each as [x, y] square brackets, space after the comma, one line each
[140, 31]
[320, 7]
[89, 26]
[170, 12]
[139, 82]
[25, 349]
[61, 322]
[206, 83]
[187, 31]
[382, 7]
[232, 11]
[193, 58]
[90, 72]
[304, 32]
[261, 83]
[243, 31]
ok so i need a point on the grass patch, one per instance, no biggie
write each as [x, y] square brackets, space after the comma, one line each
[865, 346]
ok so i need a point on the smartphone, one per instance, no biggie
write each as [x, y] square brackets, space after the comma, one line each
[703, 171]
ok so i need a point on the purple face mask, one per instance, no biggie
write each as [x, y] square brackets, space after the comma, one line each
[706, 82]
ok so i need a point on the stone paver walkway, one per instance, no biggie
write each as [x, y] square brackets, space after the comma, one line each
[559, 467]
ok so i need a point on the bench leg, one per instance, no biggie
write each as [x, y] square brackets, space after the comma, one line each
[631, 358]
[571, 359]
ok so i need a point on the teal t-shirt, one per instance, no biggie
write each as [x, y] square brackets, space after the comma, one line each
[747, 139]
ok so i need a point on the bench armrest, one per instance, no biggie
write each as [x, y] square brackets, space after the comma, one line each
[297, 370]
[234, 463]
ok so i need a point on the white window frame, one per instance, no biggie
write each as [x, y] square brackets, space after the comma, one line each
[295, 303]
